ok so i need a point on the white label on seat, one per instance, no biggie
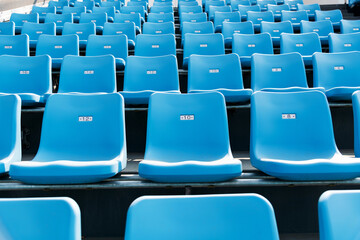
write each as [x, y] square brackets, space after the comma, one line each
[132, 12]
[44, 13]
[315, 30]
[355, 29]
[187, 117]
[107, 46]
[89, 72]
[162, 12]
[237, 31]
[59, 21]
[214, 70]
[151, 72]
[25, 72]
[203, 45]
[58, 46]
[347, 44]
[160, 21]
[39, 32]
[193, 20]
[278, 69]
[251, 45]
[288, 116]
[338, 68]
[127, 20]
[8, 47]
[79, 32]
[158, 31]
[276, 30]
[327, 18]
[119, 32]
[155, 46]
[277, 11]
[308, 10]
[24, 20]
[197, 31]
[226, 20]
[299, 45]
[191, 12]
[259, 19]
[85, 119]
[293, 19]
[93, 20]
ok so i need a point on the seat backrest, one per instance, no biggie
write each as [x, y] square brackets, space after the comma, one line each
[336, 69]
[42, 11]
[90, 5]
[214, 72]
[264, 3]
[128, 17]
[51, 218]
[213, 3]
[83, 30]
[230, 216]
[276, 9]
[304, 43]
[221, 17]
[248, 44]
[276, 29]
[349, 26]
[162, 9]
[58, 4]
[294, 16]
[323, 28]
[19, 18]
[293, 4]
[191, 126]
[151, 73]
[244, 9]
[235, 4]
[25, 74]
[193, 17]
[197, 28]
[297, 124]
[58, 46]
[160, 17]
[76, 11]
[116, 45]
[7, 28]
[140, 3]
[133, 9]
[159, 28]
[88, 74]
[332, 15]
[17, 45]
[59, 19]
[344, 42]
[277, 71]
[213, 9]
[190, 9]
[152, 45]
[229, 28]
[110, 11]
[258, 17]
[339, 214]
[91, 127]
[98, 18]
[204, 44]
[34, 30]
[116, 4]
[309, 8]
[127, 28]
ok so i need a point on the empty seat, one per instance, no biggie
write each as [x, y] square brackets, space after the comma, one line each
[264, 4]
[147, 75]
[88, 144]
[276, 10]
[185, 3]
[214, 9]
[229, 216]
[167, 3]
[334, 16]
[322, 28]
[293, 4]
[349, 26]
[144, 4]
[10, 127]
[245, 45]
[59, 5]
[339, 214]
[126, 28]
[356, 113]
[128, 17]
[276, 29]
[75, 11]
[196, 28]
[202, 44]
[110, 12]
[160, 17]
[305, 43]
[189, 9]
[344, 42]
[42, 11]
[338, 74]
[98, 18]
[229, 28]
[19, 19]
[29, 77]
[7, 28]
[257, 17]
[298, 125]
[235, 4]
[116, 45]
[192, 17]
[17, 45]
[59, 20]
[116, 4]
[213, 3]
[83, 30]
[133, 10]
[295, 17]
[159, 28]
[220, 73]
[244, 9]
[188, 140]
[34, 30]
[161, 9]
[310, 9]
[49, 218]
[88, 4]
[152, 45]
[221, 17]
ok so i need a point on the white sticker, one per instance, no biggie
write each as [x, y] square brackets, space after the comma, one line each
[155, 46]
[197, 31]
[226, 20]
[39, 32]
[277, 11]
[107, 46]
[93, 20]
[132, 12]
[187, 117]
[293, 19]
[59, 21]
[203, 45]
[85, 119]
[315, 30]
[347, 44]
[25, 72]
[276, 30]
[337, 68]
[237, 31]
[251, 45]
[160, 21]
[58, 46]
[127, 21]
[327, 18]
[259, 19]
[214, 70]
[278, 69]
[299, 44]
[79, 32]
[152, 72]
[119, 32]
[355, 29]
[89, 72]
[193, 20]
[8, 47]
[24, 20]
[158, 31]
[288, 116]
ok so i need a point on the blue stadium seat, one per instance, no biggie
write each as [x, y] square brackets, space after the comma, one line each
[116, 4]
[305, 43]
[161, 9]
[88, 144]
[128, 17]
[17, 45]
[147, 75]
[235, 4]
[98, 18]
[83, 30]
[339, 214]
[48, 218]
[89, 5]
[186, 3]
[116, 45]
[75, 11]
[196, 28]
[34, 30]
[59, 20]
[302, 133]
[349, 26]
[193, 18]
[42, 11]
[7, 28]
[19, 19]
[275, 29]
[202, 44]
[59, 5]
[213, 9]
[356, 112]
[322, 28]
[189, 9]
[187, 139]
[344, 42]
[29, 77]
[334, 16]
[229, 28]
[110, 12]
[257, 17]
[337, 73]
[138, 4]
[221, 17]
[57, 47]
[156, 3]
[229, 216]
[276, 10]
[159, 28]
[220, 73]
[293, 4]
[245, 45]
[160, 17]
[152, 45]
[10, 127]
[310, 9]
[281, 73]
[209, 3]
[88, 74]
[295, 17]
[126, 28]
[244, 9]
[264, 4]
[133, 10]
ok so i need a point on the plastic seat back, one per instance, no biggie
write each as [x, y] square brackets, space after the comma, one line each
[162, 9]
[344, 42]
[221, 17]
[294, 4]
[155, 45]
[160, 17]
[276, 9]
[58, 46]
[277, 71]
[110, 11]
[258, 17]
[333, 15]
[304, 43]
[58, 216]
[75, 11]
[59, 5]
[159, 28]
[264, 4]
[19, 19]
[133, 10]
[128, 17]
[17, 45]
[235, 4]
[232, 216]
[140, 3]
[309, 8]
[276, 29]
[193, 17]
[244, 9]
[34, 30]
[294, 16]
[83, 30]
[88, 74]
[213, 9]
[349, 26]
[116, 4]
[127, 29]
[59, 19]
[7, 28]
[151, 73]
[213, 3]
[248, 44]
[229, 28]
[197, 28]
[190, 9]
[115, 45]
[90, 5]
[322, 28]
[98, 18]
[203, 44]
